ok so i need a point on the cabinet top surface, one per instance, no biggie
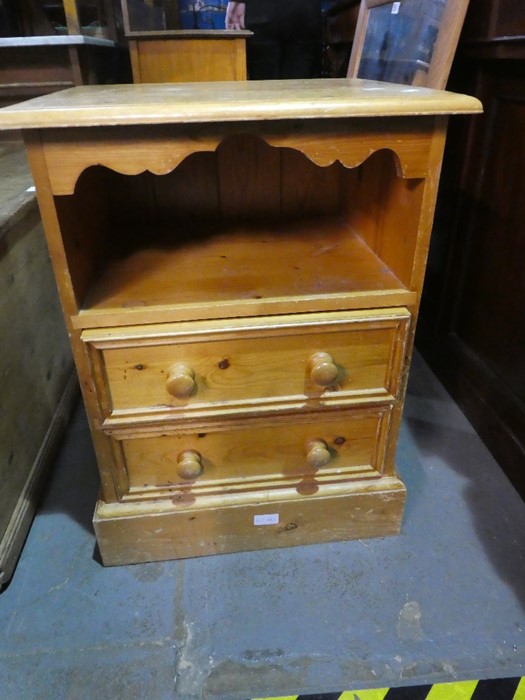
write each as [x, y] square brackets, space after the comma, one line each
[111, 105]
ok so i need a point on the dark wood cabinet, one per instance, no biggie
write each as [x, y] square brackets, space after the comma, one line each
[472, 328]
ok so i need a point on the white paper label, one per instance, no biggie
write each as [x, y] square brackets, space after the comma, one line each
[395, 8]
[270, 519]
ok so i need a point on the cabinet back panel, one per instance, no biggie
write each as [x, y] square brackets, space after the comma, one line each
[249, 174]
[191, 190]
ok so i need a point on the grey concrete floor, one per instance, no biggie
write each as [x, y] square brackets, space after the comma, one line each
[445, 600]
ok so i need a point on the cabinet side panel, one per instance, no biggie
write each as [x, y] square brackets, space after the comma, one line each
[362, 190]
[400, 227]
[83, 227]
[384, 209]
[66, 286]
[48, 212]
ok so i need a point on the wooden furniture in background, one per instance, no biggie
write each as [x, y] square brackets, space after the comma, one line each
[186, 55]
[473, 317]
[51, 46]
[161, 50]
[240, 267]
[37, 65]
[95, 18]
[410, 42]
[39, 384]
[91, 16]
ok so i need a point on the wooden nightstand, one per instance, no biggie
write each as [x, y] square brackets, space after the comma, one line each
[240, 267]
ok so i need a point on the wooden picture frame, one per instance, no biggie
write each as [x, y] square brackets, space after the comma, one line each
[411, 42]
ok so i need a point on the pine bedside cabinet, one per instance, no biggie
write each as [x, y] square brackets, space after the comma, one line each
[240, 267]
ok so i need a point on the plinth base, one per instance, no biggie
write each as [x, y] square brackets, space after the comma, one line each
[129, 533]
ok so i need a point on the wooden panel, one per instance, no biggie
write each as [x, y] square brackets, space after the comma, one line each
[472, 333]
[132, 533]
[33, 71]
[187, 60]
[82, 230]
[490, 319]
[487, 20]
[507, 19]
[306, 188]
[254, 365]
[399, 230]
[134, 60]
[249, 179]
[190, 190]
[35, 366]
[35, 64]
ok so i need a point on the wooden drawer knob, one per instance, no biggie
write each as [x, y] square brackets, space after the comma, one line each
[323, 370]
[181, 381]
[318, 454]
[189, 464]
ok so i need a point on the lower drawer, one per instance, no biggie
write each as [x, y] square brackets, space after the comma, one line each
[255, 455]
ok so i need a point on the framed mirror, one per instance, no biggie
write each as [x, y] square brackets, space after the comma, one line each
[407, 41]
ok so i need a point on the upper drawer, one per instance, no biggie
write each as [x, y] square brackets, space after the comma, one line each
[198, 369]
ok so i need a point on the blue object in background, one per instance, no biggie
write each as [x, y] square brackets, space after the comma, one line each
[211, 14]
[202, 14]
